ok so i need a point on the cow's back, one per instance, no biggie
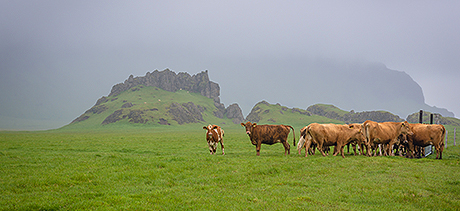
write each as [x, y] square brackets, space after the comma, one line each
[270, 134]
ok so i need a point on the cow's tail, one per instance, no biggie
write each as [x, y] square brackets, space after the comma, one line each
[293, 133]
[367, 140]
[443, 135]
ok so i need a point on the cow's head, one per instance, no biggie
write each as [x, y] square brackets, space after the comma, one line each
[405, 128]
[209, 129]
[249, 127]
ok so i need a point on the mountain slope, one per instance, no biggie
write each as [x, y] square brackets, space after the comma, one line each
[151, 106]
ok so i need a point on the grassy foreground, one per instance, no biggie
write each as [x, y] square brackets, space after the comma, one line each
[164, 170]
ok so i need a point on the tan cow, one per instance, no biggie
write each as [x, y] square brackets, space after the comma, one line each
[384, 133]
[214, 135]
[425, 135]
[324, 135]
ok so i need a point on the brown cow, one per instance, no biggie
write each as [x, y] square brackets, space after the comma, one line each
[384, 133]
[425, 135]
[268, 134]
[324, 135]
[214, 135]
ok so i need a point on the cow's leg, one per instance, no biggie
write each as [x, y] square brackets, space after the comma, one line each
[258, 148]
[287, 147]
[307, 147]
[320, 148]
[222, 147]
[390, 146]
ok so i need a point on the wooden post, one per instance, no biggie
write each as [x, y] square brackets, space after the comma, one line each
[454, 135]
[431, 118]
[446, 138]
[420, 117]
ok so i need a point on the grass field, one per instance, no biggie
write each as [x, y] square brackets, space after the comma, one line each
[142, 169]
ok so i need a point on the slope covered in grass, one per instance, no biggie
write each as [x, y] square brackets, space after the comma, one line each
[145, 106]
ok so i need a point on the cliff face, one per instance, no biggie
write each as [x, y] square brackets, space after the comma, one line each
[170, 81]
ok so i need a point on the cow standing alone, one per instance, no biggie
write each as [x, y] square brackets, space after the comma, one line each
[214, 135]
[268, 134]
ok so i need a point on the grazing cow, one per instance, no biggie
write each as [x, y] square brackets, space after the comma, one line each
[268, 134]
[384, 133]
[214, 135]
[425, 135]
[325, 135]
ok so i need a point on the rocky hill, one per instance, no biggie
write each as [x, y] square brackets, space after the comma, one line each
[266, 113]
[162, 98]
[437, 119]
[333, 112]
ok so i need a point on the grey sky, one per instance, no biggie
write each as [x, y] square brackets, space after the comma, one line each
[58, 57]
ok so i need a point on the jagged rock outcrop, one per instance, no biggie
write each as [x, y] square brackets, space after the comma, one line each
[170, 81]
[234, 112]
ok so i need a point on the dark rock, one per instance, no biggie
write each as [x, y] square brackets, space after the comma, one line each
[163, 122]
[185, 113]
[234, 112]
[136, 116]
[97, 109]
[127, 105]
[101, 100]
[114, 117]
[83, 117]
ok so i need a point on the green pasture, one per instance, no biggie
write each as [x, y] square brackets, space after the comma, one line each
[171, 169]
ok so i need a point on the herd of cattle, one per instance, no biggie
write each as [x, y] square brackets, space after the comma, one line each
[371, 138]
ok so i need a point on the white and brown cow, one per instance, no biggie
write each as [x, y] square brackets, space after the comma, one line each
[324, 135]
[385, 133]
[214, 135]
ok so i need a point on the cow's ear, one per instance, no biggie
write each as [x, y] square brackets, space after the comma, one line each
[214, 127]
[254, 125]
[204, 127]
[242, 124]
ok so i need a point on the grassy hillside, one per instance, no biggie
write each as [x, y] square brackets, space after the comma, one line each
[154, 104]
[147, 169]
[265, 113]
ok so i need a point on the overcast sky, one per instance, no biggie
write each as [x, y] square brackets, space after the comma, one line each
[58, 57]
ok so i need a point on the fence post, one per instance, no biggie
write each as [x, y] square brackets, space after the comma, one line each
[454, 135]
[446, 138]
[420, 118]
